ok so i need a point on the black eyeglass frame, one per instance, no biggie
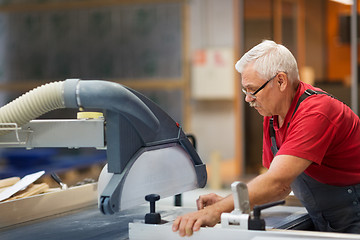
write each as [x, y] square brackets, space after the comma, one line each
[252, 95]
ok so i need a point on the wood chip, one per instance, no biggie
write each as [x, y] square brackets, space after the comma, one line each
[7, 182]
[30, 191]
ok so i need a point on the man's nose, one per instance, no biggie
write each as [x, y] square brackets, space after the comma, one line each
[249, 99]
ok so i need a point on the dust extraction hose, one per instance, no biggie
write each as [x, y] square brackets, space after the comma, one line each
[33, 104]
[73, 93]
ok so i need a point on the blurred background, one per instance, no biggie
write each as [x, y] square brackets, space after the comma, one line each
[180, 54]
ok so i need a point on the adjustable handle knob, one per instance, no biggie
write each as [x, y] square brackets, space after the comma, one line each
[257, 209]
[152, 217]
[257, 223]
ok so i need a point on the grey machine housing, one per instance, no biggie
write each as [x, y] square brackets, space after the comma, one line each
[134, 125]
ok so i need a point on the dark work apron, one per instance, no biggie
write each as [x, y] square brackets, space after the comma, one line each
[331, 208]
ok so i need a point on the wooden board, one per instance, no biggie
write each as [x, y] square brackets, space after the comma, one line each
[48, 204]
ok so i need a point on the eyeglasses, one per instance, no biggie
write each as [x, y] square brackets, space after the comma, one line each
[252, 94]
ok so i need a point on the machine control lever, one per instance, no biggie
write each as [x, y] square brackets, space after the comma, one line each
[241, 197]
[256, 223]
[152, 217]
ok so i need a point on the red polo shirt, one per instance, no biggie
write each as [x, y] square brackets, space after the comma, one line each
[324, 131]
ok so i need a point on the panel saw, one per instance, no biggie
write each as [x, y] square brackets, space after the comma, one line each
[147, 151]
[148, 156]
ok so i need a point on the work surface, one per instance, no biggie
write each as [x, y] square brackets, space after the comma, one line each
[89, 223]
[56, 219]
[83, 224]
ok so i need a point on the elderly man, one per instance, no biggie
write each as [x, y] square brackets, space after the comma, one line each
[311, 145]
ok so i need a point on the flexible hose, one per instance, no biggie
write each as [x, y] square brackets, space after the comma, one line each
[33, 104]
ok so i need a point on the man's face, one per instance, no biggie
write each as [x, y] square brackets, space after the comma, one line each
[251, 81]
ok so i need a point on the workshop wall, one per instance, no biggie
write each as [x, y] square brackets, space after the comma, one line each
[212, 119]
[45, 41]
[53, 43]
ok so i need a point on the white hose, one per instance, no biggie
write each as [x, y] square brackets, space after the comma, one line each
[33, 104]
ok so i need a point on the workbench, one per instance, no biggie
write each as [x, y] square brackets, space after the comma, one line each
[89, 223]
[74, 214]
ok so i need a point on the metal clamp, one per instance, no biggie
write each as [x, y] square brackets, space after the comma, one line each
[239, 217]
[13, 127]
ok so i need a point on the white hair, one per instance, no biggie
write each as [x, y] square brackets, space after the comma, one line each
[269, 58]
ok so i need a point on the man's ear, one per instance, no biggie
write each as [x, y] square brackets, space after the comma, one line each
[282, 81]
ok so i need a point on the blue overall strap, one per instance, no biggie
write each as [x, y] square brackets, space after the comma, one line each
[306, 94]
[274, 148]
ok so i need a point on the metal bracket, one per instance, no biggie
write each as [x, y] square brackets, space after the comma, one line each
[239, 217]
[13, 127]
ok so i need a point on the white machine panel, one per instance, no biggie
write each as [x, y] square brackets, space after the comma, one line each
[70, 133]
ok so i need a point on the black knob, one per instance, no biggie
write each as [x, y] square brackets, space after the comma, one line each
[257, 223]
[257, 209]
[152, 217]
[152, 198]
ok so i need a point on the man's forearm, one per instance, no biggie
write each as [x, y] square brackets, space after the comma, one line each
[264, 189]
[224, 205]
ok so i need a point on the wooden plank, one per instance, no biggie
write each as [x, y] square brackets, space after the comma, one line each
[48, 204]
[33, 189]
[186, 67]
[300, 33]
[7, 182]
[277, 16]
[238, 100]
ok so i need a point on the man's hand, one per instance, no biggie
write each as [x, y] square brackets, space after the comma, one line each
[210, 208]
[207, 200]
[191, 222]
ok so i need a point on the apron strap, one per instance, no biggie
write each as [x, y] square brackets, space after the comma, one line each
[306, 94]
[274, 148]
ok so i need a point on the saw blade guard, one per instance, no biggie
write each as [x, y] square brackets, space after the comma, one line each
[166, 171]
